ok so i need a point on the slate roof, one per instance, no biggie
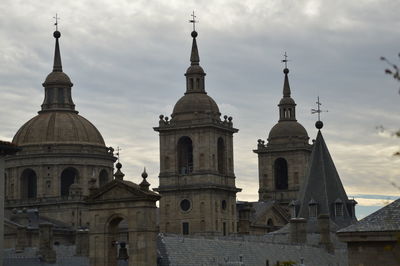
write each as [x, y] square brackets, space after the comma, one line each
[32, 219]
[384, 219]
[322, 184]
[177, 250]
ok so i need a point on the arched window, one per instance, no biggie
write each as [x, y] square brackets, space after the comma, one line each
[281, 174]
[28, 184]
[68, 177]
[270, 222]
[221, 156]
[103, 178]
[185, 155]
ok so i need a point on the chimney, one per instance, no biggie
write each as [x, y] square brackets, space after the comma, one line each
[46, 251]
[82, 242]
[324, 229]
[244, 218]
[298, 231]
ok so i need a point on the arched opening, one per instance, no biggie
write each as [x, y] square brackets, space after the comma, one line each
[103, 178]
[117, 241]
[221, 156]
[281, 174]
[68, 177]
[28, 184]
[270, 222]
[185, 155]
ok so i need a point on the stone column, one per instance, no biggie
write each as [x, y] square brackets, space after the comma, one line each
[46, 243]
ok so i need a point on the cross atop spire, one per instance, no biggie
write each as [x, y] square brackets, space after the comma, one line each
[318, 111]
[285, 60]
[56, 23]
[118, 152]
[193, 20]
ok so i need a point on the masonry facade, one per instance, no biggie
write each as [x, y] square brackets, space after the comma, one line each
[197, 180]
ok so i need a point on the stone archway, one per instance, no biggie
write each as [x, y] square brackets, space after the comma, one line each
[122, 211]
[117, 233]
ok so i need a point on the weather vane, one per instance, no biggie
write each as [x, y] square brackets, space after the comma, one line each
[285, 60]
[193, 20]
[56, 23]
[118, 152]
[318, 110]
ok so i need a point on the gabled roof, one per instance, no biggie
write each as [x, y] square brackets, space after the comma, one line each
[322, 185]
[384, 219]
[125, 190]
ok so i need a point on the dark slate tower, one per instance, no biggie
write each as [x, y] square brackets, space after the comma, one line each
[323, 192]
[197, 180]
[282, 162]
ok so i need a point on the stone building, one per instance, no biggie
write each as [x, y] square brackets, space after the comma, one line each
[61, 152]
[197, 179]
[283, 160]
[374, 240]
[6, 148]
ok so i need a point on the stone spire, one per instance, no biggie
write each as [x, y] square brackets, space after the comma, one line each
[57, 85]
[195, 73]
[144, 185]
[322, 192]
[118, 174]
[287, 106]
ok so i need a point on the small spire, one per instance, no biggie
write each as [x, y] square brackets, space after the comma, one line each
[318, 111]
[57, 67]
[194, 56]
[286, 86]
[118, 174]
[144, 185]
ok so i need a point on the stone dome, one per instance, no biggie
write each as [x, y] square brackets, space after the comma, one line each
[58, 127]
[57, 78]
[195, 103]
[285, 130]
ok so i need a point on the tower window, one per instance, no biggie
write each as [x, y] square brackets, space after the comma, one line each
[221, 156]
[281, 174]
[191, 84]
[68, 177]
[197, 83]
[185, 155]
[223, 205]
[185, 228]
[28, 184]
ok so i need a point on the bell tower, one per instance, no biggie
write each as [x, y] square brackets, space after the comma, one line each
[197, 180]
[283, 160]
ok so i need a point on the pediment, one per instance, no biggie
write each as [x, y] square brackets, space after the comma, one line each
[119, 190]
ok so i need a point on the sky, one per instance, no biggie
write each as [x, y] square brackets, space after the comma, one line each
[127, 61]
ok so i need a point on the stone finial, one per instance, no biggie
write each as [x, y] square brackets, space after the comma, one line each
[144, 185]
[118, 174]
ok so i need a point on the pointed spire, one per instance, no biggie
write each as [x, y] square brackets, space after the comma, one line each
[57, 66]
[286, 86]
[144, 185]
[194, 56]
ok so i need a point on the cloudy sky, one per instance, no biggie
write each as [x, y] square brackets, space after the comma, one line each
[127, 60]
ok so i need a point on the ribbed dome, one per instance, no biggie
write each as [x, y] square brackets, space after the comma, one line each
[195, 103]
[58, 127]
[288, 130]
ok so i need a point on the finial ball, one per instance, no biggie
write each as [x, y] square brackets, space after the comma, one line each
[118, 165]
[194, 34]
[319, 124]
[286, 70]
[144, 174]
[57, 34]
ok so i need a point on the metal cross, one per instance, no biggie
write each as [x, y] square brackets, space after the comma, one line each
[318, 110]
[118, 152]
[56, 18]
[193, 20]
[285, 60]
